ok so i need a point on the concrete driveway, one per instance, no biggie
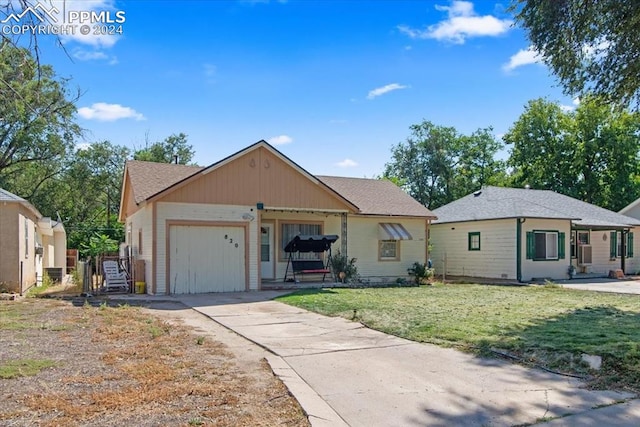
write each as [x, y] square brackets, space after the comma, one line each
[629, 286]
[345, 374]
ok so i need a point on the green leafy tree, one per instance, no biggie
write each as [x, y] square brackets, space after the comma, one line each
[591, 46]
[542, 151]
[92, 184]
[37, 122]
[437, 165]
[165, 150]
[591, 154]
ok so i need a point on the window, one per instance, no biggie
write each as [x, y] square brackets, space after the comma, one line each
[140, 241]
[579, 238]
[290, 230]
[474, 241]
[616, 244]
[545, 245]
[389, 250]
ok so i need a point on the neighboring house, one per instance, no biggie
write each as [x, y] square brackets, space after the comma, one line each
[523, 234]
[224, 227]
[29, 243]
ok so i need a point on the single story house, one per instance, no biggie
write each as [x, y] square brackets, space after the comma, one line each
[29, 244]
[522, 234]
[224, 227]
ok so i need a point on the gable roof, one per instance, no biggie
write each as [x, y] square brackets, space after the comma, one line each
[501, 203]
[149, 180]
[377, 196]
[6, 196]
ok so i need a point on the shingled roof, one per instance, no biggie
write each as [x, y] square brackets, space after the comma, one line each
[376, 196]
[370, 196]
[150, 178]
[500, 203]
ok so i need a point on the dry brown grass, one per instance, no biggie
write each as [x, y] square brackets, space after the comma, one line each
[124, 366]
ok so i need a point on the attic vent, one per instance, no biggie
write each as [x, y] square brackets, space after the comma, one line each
[477, 193]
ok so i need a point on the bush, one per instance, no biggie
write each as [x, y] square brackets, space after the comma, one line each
[420, 272]
[342, 264]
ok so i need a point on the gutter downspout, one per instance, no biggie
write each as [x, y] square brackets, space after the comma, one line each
[519, 222]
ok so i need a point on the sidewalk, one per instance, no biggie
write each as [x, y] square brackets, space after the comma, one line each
[367, 378]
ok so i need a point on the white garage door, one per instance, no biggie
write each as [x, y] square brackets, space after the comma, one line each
[206, 259]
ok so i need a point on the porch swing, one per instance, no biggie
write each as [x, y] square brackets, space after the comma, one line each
[306, 243]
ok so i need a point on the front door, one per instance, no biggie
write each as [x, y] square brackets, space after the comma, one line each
[267, 253]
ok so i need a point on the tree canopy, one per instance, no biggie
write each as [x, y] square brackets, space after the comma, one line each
[437, 164]
[165, 150]
[592, 153]
[591, 46]
[37, 120]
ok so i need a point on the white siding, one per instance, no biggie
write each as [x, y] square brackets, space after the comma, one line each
[497, 255]
[551, 269]
[600, 241]
[633, 263]
[202, 212]
[363, 241]
[331, 224]
[142, 220]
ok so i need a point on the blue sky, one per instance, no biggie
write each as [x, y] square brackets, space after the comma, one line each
[332, 84]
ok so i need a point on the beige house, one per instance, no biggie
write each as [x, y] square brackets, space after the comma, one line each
[224, 227]
[523, 234]
[29, 243]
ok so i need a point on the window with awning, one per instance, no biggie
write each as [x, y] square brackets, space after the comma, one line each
[393, 231]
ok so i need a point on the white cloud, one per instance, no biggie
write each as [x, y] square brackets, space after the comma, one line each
[521, 58]
[83, 146]
[104, 112]
[567, 108]
[462, 23]
[96, 55]
[280, 140]
[95, 40]
[385, 89]
[347, 163]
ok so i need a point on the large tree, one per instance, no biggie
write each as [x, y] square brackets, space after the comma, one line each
[165, 151]
[37, 121]
[437, 164]
[591, 153]
[590, 45]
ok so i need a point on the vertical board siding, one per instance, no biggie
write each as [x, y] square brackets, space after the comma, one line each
[257, 176]
[497, 255]
[202, 212]
[551, 269]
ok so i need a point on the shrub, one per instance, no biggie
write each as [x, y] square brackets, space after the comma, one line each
[342, 264]
[420, 273]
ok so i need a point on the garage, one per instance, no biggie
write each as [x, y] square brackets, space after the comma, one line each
[204, 258]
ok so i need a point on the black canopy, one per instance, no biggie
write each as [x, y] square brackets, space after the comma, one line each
[310, 243]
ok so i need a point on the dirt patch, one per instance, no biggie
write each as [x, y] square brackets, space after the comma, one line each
[133, 366]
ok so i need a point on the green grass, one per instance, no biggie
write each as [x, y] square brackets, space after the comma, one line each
[23, 367]
[547, 325]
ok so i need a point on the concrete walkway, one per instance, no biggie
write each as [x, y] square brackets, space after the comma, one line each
[603, 285]
[345, 374]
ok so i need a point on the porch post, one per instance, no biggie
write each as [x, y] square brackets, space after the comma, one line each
[343, 234]
[623, 249]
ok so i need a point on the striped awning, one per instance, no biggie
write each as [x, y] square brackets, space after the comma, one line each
[393, 231]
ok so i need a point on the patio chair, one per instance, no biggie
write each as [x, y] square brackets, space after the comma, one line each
[115, 280]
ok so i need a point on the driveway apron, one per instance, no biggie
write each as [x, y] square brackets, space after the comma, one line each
[373, 379]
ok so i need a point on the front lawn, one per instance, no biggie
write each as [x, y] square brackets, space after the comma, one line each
[548, 326]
